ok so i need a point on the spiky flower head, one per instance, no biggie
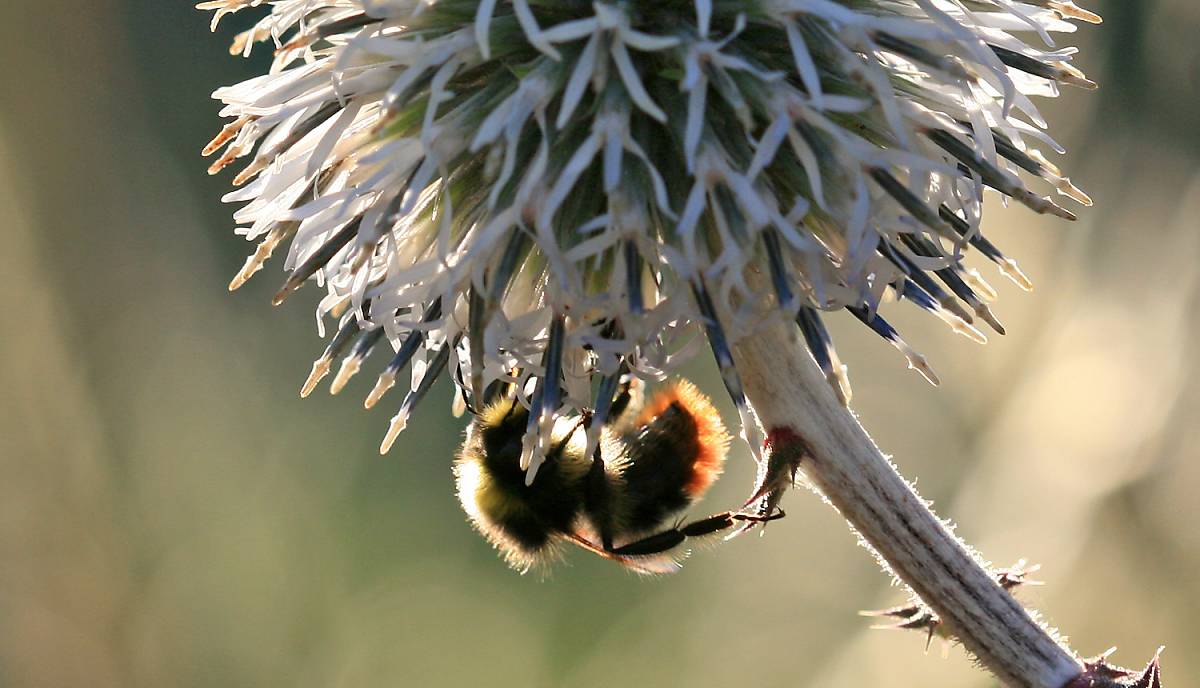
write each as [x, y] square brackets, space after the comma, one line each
[545, 192]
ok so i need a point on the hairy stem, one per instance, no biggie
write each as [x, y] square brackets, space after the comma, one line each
[791, 395]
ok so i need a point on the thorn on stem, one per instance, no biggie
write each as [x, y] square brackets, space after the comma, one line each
[1098, 673]
[917, 616]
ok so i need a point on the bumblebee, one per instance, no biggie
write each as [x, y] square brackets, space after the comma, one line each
[622, 503]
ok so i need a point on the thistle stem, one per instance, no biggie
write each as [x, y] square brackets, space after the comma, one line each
[791, 396]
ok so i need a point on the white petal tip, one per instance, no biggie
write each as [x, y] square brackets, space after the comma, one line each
[1068, 189]
[1013, 272]
[320, 369]
[967, 330]
[385, 382]
[395, 427]
[350, 367]
[839, 380]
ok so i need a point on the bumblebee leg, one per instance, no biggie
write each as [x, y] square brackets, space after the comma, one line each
[620, 402]
[597, 498]
[673, 537]
[628, 399]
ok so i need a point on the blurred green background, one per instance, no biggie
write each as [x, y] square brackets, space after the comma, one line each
[172, 514]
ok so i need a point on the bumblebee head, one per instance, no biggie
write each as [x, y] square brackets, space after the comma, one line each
[499, 428]
[525, 522]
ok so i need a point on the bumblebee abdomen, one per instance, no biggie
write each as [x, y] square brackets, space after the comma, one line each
[676, 455]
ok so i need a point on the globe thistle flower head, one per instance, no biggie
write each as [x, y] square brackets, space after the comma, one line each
[542, 194]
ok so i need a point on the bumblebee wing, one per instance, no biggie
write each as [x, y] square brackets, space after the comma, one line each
[647, 565]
